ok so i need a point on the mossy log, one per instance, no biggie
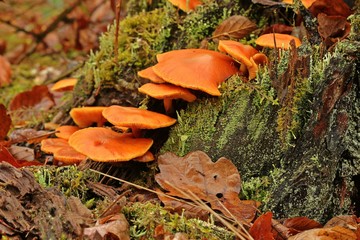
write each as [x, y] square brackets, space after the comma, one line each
[315, 174]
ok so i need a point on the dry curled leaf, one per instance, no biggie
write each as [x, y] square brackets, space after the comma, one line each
[235, 27]
[347, 221]
[335, 233]
[116, 228]
[5, 122]
[216, 183]
[5, 71]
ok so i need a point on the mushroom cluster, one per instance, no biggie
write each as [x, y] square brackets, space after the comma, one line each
[77, 143]
[178, 72]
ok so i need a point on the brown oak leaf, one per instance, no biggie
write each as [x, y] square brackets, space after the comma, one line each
[5, 72]
[338, 233]
[216, 183]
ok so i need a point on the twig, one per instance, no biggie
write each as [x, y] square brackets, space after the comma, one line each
[116, 41]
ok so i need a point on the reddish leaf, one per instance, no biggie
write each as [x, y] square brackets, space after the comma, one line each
[301, 223]
[330, 8]
[5, 122]
[31, 104]
[38, 97]
[261, 229]
[5, 71]
[5, 156]
[234, 27]
[217, 183]
[2, 46]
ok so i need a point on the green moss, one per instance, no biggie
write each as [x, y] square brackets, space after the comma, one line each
[68, 179]
[145, 217]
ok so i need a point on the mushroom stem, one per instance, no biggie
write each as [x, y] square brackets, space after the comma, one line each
[168, 104]
[136, 132]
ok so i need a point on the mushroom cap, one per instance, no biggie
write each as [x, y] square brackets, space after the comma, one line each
[282, 40]
[104, 145]
[186, 5]
[86, 116]
[197, 69]
[64, 85]
[164, 90]
[51, 145]
[237, 50]
[136, 118]
[147, 157]
[149, 73]
[69, 155]
[65, 131]
[306, 3]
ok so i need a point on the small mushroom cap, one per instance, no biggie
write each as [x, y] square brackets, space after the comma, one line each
[186, 5]
[105, 145]
[282, 40]
[51, 145]
[306, 3]
[162, 91]
[149, 73]
[86, 116]
[69, 155]
[64, 85]
[147, 157]
[197, 69]
[65, 131]
[237, 50]
[136, 118]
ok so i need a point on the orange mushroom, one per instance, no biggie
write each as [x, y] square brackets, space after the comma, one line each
[50, 145]
[186, 5]
[136, 118]
[243, 54]
[149, 73]
[65, 131]
[147, 157]
[87, 116]
[167, 92]
[277, 40]
[197, 69]
[67, 84]
[69, 155]
[306, 3]
[105, 145]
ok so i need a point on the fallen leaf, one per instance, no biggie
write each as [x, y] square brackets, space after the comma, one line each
[330, 8]
[335, 233]
[216, 183]
[22, 153]
[116, 228]
[2, 46]
[28, 135]
[301, 223]
[31, 104]
[181, 207]
[5, 122]
[38, 97]
[5, 71]
[347, 221]
[234, 27]
[6, 156]
[278, 28]
[261, 229]
[332, 28]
